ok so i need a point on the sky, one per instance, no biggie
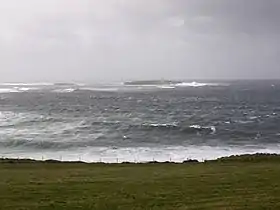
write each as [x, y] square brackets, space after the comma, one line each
[119, 40]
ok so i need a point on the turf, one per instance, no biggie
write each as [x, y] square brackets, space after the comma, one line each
[247, 182]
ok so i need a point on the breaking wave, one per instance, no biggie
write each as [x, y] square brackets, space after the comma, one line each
[26, 84]
[189, 129]
[45, 145]
[9, 90]
[66, 90]
[168, 84]
[17, 89]
[125, 87]
[100, 89]
[187, 121]
[195, 84]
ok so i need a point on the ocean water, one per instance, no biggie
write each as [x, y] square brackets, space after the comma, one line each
[138, 122]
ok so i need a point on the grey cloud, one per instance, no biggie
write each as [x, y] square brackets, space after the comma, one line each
[132, 39]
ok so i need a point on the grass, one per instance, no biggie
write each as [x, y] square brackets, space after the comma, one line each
[240, 182]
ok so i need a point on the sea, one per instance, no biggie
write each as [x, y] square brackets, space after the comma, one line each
[139, 121]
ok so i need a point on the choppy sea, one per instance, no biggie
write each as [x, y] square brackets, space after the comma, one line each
[138, 122]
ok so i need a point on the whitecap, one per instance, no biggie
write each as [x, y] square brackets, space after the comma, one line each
[195, 84]
[26, 84]
[25, 89]
[9, 90]
[67, 90]
[166, 87]
[16, 89]
[103, 89]
[199, 127]
[162, 124]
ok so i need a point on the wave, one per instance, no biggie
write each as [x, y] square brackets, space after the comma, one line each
[26, 143]
[41, 145]
[28, 122]
[201, 128]
[25, 87]
[195, 84]
[15, 120]
[26, 84]
[163, 125]
[66, 90]
[166, 87]
[17, 89]
[63, 84]
[190, 129]
[100, 89]
[49, 143]
[8, 90]
[168, 84]
[148, 82]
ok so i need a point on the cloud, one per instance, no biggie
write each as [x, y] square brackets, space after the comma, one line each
[176, 21]
[118, 39]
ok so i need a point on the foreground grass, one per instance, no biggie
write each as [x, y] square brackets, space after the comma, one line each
[247, 182]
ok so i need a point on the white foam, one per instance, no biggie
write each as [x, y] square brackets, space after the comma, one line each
[195, 84]
[25, 89]
[26, 84]
[10, 118]
[166, 87]
[8, 90]
[67, 90]
[17, 89]
[212, 128]
[162, 124]
[105, 89]
[173, 85]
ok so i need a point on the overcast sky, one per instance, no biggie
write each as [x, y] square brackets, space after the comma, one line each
[116, 40]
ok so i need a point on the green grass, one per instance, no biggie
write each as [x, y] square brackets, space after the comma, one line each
[246, 182]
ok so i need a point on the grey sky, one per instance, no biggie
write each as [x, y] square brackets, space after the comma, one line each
[114, 40]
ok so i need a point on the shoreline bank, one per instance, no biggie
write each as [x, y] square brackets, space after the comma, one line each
[243, 158]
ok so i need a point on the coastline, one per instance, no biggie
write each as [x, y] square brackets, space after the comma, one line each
[257, 157]
[238, 182]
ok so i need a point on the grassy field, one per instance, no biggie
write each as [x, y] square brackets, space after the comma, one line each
[247, 182]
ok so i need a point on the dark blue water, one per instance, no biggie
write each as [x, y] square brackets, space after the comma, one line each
[139, 122]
